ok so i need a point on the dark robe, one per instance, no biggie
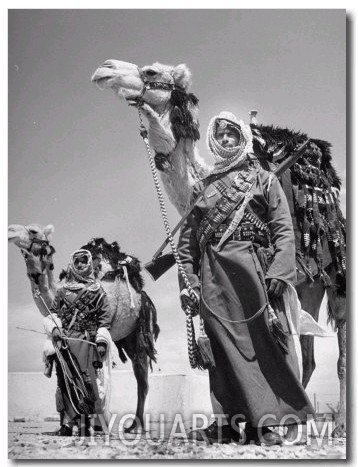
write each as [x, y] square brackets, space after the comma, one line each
[253, 377]
[79, 360]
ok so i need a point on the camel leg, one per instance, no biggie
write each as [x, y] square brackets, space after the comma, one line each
[311, 297]
[337, 306]
[140, 364]
[340, 427]
[140, 368]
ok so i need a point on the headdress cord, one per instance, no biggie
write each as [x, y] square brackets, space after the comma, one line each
[195, 356]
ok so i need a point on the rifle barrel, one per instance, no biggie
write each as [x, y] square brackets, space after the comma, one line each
[287, 163]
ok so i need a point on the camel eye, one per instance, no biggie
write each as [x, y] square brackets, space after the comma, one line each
[33, 232]
[150, 72]
[107, 64]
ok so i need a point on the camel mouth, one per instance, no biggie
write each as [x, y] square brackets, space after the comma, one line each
[102, 83]
[103, 78]
[132, 98]
[11, 234]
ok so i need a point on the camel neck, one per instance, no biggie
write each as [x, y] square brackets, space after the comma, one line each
[161, 109]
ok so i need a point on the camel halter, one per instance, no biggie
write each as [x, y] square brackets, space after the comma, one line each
[43, 252]
[194, 354]
[36, 240]
[157, 85]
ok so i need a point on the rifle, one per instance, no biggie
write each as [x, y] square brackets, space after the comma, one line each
[160, 263]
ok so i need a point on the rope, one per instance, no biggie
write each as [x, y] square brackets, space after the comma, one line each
[193, 349]
[63, 337]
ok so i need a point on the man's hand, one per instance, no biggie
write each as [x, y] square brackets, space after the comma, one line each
[187, 301]
[145, 108]
[102, 349]
[56, 334]
[57, 337]
[275, 288]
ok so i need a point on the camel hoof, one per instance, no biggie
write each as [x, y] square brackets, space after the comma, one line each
[292, 434]
[339, 431]
[133, 429]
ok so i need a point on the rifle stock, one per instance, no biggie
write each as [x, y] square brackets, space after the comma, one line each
[160, 263]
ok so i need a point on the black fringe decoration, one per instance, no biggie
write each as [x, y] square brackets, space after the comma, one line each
[63, 275]
[181, 116]
[112, 252]
[275, 137]
[148, 329]
[325, 279]
[316, 211]
[341, 284]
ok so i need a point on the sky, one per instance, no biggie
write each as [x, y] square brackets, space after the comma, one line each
[75, 157]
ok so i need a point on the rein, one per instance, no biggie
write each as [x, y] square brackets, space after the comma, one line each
[195, 357]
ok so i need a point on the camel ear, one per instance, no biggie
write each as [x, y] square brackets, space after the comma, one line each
[48, 231]
[182, 76]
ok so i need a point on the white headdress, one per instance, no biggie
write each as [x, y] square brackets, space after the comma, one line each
[227, 158]
[77, 279]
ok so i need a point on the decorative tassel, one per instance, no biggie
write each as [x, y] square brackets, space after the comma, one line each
[325, 279]
[204, 346]
[306, 232]
[277, 330]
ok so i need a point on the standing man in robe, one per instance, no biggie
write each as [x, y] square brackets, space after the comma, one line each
[79, 324]
[237, 249]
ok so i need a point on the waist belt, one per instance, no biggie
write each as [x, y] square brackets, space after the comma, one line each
[82, 327]
[245, 232]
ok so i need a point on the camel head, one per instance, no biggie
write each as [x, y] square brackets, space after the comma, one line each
[24, 236]
[162, 94]
[153, 83]
[33, 240]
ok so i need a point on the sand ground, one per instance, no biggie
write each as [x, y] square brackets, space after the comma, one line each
[34, 440]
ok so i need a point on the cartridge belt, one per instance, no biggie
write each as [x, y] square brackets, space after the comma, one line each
[229, 201]
[246, 231]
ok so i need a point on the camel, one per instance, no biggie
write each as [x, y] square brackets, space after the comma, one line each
[134, 327]
[312, 186]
